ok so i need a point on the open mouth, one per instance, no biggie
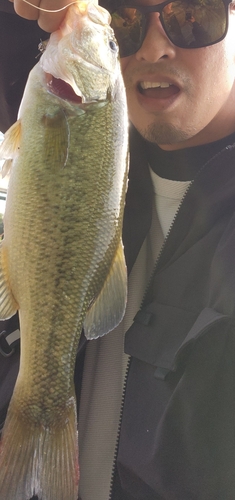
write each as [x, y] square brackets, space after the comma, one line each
[62, 89]
[158, 90]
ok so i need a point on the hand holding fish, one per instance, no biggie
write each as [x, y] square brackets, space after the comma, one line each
[38, 10]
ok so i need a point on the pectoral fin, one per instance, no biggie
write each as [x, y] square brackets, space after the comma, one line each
[6, 168]
[8, 305]
[56, 140]
[10, 146]
[108, 309]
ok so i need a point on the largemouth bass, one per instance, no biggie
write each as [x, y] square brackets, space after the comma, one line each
[61, 261]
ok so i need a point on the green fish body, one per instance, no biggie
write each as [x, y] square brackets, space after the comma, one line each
[61, 262]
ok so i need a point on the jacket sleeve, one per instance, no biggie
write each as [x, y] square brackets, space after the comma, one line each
[18, 54]
[9, 362]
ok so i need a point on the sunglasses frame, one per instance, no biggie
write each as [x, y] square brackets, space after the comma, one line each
[148, 9]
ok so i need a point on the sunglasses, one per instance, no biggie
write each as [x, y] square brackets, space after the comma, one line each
[189, 24]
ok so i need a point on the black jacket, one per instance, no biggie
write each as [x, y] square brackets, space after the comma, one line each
[178, 424]
[177, 438]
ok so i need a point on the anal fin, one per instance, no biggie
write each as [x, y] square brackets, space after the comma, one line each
[108, 309]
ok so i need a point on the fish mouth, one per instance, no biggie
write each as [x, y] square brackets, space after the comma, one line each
[62, 89]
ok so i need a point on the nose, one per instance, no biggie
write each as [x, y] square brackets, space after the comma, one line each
[156, 44]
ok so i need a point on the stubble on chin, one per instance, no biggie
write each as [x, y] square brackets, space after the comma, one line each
[163, 134]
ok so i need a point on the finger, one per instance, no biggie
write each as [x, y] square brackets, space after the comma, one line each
[25, 10]
[51, 21]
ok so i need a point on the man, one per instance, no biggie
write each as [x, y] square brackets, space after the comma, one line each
[175, 384]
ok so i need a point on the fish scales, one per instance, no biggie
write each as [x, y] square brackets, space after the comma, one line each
[64, 231]
[62, 263]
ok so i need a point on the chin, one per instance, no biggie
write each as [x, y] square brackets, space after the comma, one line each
[164, 134]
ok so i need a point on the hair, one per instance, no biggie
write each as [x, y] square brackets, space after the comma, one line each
[111, 5]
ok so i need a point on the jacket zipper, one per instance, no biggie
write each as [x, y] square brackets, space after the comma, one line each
[129, 360]
[217, 155]
[141, 307]
[163, 246]
[119, 430]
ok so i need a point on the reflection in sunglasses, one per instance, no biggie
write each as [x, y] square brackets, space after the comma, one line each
[188, 24]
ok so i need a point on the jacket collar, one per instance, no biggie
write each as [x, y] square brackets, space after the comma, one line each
[210, 196]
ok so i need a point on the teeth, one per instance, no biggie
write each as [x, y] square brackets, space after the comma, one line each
[152, 85]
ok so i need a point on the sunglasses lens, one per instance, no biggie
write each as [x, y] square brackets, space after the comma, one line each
[194, 24]
[129, 28]
[188, 24]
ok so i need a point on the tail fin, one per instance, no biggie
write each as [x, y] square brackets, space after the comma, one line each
[35, 460]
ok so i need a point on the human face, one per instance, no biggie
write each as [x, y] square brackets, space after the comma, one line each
[195, 103]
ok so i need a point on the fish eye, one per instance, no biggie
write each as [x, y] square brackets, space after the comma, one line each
[113, 46]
